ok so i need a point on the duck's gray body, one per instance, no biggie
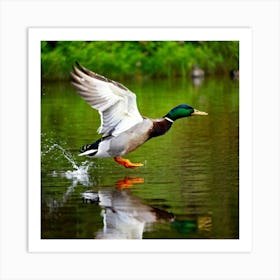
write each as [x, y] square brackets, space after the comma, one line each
[127, 141]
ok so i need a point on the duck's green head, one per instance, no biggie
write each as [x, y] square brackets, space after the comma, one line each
[183, 111]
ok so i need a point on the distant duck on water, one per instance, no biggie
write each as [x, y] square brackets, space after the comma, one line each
[197, 72]
[122, 127]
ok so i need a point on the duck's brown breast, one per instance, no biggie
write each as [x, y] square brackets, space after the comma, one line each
[160, 127]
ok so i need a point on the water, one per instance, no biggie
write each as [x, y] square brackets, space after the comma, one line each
[80, 173]
[187, 188]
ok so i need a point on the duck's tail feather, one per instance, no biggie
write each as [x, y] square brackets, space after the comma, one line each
[89, 153]
[89, 149]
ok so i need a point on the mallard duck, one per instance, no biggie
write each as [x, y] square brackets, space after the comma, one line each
[197, 72]
[122, 127]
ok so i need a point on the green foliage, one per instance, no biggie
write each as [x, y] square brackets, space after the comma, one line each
[130, 59]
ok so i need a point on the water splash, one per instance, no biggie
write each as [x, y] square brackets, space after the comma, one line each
[80, 172]
[65, 153]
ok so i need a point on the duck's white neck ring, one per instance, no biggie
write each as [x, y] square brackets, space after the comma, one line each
[169, 119]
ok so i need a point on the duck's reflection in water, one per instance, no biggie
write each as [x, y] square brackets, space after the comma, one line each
[124, 215]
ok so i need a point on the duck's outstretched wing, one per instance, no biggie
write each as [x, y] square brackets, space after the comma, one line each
[115, 103]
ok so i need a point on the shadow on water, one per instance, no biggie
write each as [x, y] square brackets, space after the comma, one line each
[124, 215]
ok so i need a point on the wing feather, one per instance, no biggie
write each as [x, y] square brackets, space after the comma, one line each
[115, 103]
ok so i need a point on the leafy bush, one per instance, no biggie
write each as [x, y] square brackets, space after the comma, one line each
[129, 59]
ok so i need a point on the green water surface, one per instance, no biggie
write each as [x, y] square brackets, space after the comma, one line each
[188, 187]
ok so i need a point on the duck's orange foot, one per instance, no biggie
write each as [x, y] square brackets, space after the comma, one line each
[126, 162]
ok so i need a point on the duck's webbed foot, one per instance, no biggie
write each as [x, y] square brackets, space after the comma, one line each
[126, 162]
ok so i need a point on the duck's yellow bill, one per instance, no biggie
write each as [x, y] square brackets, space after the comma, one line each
[199, 113]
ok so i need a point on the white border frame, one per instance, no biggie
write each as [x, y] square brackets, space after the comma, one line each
[262, 16]
[243, 35]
